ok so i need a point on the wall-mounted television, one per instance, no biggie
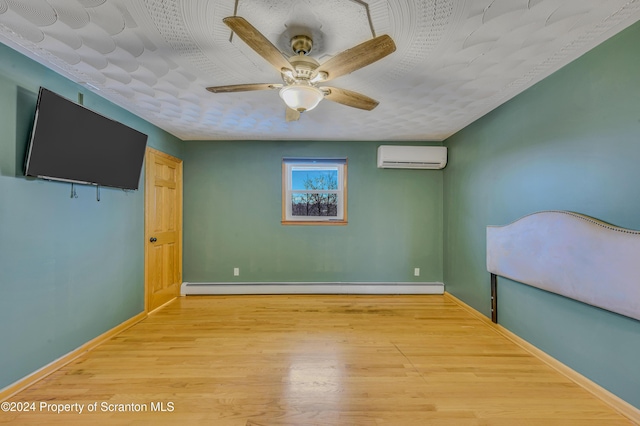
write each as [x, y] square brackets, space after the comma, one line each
[75, 144]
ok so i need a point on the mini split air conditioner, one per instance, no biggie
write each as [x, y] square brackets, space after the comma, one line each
[411, 157]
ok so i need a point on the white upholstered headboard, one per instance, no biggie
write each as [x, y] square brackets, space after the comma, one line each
[572, 255]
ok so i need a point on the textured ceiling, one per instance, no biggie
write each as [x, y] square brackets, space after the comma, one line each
[455, 60]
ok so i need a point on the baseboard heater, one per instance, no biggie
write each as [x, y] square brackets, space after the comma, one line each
[188, 288]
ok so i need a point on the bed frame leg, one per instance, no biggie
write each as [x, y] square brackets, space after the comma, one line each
[494, 298]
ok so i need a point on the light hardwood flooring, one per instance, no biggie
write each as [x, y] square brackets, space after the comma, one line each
[312, 360]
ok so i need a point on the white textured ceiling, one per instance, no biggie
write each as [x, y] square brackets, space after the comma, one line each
[455, 60]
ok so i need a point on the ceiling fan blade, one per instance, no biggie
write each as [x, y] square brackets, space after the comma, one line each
[291, 115]
[349, 98]
[255, 40]
[356, 57]
[243, 87]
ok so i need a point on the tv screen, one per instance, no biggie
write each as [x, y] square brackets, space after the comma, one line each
[72, 143]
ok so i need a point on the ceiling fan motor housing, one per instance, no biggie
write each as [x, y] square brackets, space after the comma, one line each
[301, 44]
[303, 66]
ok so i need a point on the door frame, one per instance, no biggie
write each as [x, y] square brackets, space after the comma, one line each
[148, 205]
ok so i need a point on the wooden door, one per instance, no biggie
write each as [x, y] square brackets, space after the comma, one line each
[163, 228]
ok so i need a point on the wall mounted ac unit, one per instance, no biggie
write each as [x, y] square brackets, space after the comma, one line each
[411, 157]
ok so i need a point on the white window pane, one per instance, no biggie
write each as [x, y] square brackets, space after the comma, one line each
[314, 190]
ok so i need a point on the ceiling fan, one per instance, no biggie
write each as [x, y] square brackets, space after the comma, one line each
[302, 75]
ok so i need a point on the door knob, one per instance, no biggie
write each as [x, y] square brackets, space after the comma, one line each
[153, 239]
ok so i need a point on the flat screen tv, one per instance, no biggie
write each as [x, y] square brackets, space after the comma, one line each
[74, 144]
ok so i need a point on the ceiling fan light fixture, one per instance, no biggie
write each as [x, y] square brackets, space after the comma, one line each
[301, 97]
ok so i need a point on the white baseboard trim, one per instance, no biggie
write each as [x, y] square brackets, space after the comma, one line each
[312, 288]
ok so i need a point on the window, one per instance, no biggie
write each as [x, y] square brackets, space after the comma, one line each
[314, 191]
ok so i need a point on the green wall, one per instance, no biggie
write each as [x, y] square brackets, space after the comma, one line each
[232, 214]
[70, 269]
[571, 142]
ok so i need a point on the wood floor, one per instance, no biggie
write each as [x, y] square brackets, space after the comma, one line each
[311, 360]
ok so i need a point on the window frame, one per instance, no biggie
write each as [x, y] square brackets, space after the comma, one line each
[288, 165]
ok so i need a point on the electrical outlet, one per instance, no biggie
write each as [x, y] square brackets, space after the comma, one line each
[416, 272]
[236, 272]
